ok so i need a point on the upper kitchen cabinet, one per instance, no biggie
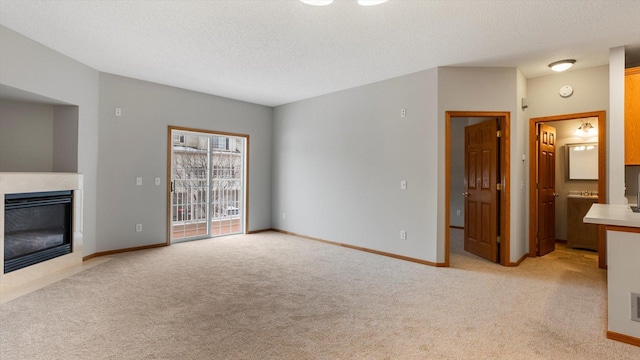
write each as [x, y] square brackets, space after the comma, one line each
[632, 116]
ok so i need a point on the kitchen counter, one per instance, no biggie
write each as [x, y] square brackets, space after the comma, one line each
[623, 267]
[612, 214]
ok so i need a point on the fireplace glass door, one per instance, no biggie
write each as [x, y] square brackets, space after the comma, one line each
[37, 228]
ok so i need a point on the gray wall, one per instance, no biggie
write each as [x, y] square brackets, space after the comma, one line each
[37, 136]
[26, 137]
[456, 187]
[135, 144]
[339, 159]
[481, 89]
[31, 67]
[591, 93]
[65, 138]
[631, 179]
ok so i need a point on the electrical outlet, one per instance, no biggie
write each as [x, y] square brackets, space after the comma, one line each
[138, 181]
[403, 235]
[157, 181]
[635, 306]
[458, 213]
[403, 112]
[118, 112]
[138, 227]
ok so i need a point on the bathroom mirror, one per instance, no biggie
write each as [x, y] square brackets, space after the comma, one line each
[582, 161]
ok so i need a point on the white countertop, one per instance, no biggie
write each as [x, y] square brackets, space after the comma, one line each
[612, 214]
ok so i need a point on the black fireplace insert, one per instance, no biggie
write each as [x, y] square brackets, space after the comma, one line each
[37, 227]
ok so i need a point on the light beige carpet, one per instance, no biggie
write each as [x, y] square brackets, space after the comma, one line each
[273, 296]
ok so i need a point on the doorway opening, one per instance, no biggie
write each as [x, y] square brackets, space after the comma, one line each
[572, 188]
[457, 197]
[207, 187]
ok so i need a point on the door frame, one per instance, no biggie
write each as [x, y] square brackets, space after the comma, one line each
[170, 128]
[602, 176]
[505, 180]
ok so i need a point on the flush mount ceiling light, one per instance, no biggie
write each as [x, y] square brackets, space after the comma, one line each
[327, 2]
[562, 65]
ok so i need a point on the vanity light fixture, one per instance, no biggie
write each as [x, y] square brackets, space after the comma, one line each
[562, 65]
[327, 2]
[586, 129]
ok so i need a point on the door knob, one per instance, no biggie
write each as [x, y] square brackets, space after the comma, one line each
[465, 194]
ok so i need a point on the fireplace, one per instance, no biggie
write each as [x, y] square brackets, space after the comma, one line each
[37, 227]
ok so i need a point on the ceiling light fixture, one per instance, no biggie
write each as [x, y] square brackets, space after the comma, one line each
[562, 65]
[327, 2]
[586, 129]
[317, 2]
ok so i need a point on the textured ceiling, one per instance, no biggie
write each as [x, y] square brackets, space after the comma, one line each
[273, 52]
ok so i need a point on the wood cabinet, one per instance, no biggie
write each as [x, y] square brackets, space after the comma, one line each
[579, 234]
[632, 116]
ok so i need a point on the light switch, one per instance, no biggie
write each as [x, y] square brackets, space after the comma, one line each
[138, 181]
[403, 184]
[157, 181]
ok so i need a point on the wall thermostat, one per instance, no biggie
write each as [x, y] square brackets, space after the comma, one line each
[566, 91]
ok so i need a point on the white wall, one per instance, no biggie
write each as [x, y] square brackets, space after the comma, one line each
[480, 89]
[520, 174]
[135, 144]
[615, 127]
[339, 159]
[29, 66]
[26, 137]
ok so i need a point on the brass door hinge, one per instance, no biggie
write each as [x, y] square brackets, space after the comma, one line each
[498, 239]
[498, 186]
[499, 134]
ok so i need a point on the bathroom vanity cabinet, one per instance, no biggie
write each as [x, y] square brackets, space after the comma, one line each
[579, 234]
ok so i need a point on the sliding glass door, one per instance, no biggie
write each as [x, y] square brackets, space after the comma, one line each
[207, 184]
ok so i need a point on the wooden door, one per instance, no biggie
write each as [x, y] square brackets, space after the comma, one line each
[546, 189]
[481, 210]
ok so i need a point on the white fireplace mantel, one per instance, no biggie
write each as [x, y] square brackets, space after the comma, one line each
[15, 183]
